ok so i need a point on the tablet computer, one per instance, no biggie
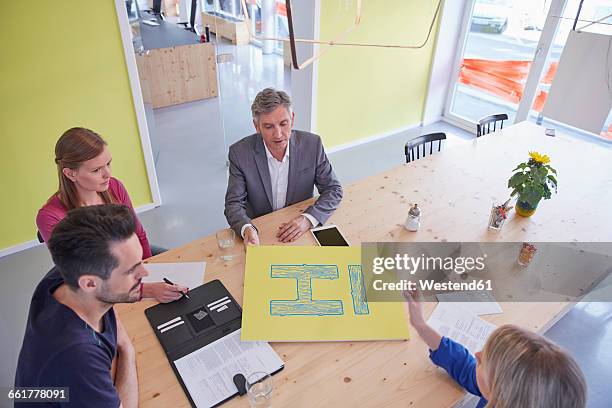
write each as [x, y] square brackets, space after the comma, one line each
[329, 235]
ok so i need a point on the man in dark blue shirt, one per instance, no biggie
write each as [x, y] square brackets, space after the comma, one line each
[73, 338]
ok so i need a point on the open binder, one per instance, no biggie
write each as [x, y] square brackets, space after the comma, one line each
[201, 339]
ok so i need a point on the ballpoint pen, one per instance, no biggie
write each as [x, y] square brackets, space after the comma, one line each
[170, 283]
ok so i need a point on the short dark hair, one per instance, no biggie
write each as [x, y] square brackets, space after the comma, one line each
[80, 243]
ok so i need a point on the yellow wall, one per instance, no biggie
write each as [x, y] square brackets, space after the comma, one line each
[62, 65]
[364, 92]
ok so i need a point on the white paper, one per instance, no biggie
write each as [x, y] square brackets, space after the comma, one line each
[190, 274]
[461, 325]
[208, 373]
[479, 303]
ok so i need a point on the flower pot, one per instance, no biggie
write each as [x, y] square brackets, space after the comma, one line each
[524, 209]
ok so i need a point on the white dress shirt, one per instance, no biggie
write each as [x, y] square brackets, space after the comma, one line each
[279, 176]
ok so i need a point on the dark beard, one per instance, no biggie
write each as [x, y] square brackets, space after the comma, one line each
[106, 296]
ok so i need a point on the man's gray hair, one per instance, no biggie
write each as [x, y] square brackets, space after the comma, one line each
[268, 100]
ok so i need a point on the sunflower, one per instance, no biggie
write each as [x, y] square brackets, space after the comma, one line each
[539, 158]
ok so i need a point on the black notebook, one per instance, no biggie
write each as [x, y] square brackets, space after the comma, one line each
[201, 338]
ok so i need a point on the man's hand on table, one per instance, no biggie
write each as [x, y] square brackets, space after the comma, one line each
[292, 230]
[250, 237]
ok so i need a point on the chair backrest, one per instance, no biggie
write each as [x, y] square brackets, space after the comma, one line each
[192, 15]
[156, 8]
[418, 145]
[484, 125]
[39, 236]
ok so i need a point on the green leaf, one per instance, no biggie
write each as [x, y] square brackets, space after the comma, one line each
[521, 166]
[532, 194]
[541, 193]
[551, 169]
[539, 175]
[517, 180]
[547, 193]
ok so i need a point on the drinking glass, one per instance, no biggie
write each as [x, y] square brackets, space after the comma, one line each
[225, 240]
[259, 389]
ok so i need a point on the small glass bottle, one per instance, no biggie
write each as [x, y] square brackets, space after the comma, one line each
[413, 221]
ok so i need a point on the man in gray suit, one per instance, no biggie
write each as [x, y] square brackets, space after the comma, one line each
[277, 167]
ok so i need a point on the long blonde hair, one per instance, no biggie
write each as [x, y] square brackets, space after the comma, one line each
[74, 147]
[523, 369]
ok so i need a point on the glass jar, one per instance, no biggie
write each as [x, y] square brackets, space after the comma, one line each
[526, 254]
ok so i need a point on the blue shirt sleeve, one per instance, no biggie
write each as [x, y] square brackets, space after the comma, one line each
[458, 363]
[86, 372]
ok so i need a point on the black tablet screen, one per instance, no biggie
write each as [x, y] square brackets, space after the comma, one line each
[330, 237]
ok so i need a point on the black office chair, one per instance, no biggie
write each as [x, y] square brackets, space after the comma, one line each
[414, 144]
[483, 127]
[40, 238]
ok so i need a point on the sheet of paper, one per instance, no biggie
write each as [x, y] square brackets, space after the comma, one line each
[479, 303]
[190, 274]
[208, 372]
[461, 325]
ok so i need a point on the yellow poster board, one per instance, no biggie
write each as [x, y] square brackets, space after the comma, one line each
[313, 294]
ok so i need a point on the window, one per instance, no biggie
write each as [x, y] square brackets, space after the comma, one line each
[498, 53]
[499, 48]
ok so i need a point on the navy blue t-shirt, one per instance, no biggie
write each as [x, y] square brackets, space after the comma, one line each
[61, 350]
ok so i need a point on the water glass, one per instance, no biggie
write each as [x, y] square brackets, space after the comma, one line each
[225, 240]
[259, 389]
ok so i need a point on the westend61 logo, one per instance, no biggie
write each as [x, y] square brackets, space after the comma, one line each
[413, 264]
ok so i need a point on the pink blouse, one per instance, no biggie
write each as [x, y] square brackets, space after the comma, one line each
[53, 211]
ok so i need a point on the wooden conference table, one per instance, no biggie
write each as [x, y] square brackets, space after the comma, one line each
[455, 189]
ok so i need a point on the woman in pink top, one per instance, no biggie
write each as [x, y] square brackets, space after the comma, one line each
[84, 171]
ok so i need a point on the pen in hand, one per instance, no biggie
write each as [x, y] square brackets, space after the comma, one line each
[181, 292]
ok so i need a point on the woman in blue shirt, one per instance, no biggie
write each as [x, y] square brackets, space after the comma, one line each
[516, 368]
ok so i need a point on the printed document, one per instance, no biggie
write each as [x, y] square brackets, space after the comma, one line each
[208, 373]
[461, 325]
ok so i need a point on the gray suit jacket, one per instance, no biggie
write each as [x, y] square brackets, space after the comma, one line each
[249, 188]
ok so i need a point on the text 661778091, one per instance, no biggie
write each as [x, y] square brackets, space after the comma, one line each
[36, 394]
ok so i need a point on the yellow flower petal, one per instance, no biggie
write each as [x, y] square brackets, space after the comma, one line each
[540, 158]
